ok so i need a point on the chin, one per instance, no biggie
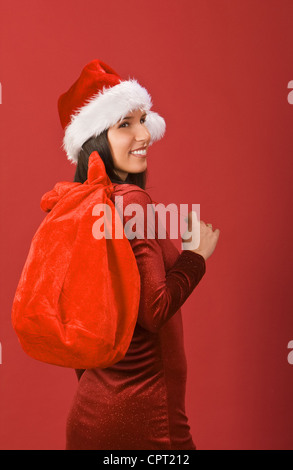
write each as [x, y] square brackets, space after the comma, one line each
[138, 168]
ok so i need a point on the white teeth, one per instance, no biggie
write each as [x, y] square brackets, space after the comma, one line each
[139, 152]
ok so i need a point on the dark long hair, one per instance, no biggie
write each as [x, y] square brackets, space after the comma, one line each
[101, 145]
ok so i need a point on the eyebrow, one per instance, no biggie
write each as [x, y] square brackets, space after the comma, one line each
[131, 117]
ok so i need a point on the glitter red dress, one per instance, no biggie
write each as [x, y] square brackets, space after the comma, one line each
[139, 402]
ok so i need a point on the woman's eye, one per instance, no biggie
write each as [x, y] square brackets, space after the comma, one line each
[142, 119]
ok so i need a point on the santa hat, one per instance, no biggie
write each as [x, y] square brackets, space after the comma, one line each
[99, 99]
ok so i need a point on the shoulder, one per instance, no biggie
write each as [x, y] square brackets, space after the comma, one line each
[132, 194]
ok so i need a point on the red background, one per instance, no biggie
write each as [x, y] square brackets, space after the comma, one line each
[218, 71]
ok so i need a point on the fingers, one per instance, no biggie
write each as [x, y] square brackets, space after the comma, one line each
[217, 232]
[192, 218]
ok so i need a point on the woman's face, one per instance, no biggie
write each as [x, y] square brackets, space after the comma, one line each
[125, 137]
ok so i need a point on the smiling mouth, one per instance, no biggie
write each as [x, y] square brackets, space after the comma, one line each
[139, 153]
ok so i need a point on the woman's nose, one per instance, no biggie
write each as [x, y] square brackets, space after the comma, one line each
[143, 134]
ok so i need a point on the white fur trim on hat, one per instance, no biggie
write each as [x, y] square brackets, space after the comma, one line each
[105, 109]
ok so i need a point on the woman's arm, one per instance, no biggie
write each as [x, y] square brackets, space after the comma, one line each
[162, 294]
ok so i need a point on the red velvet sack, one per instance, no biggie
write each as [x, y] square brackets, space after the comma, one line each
[77, 300]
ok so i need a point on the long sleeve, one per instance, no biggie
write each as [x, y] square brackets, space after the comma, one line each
[162, 293]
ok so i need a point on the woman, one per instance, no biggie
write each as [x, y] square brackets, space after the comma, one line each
[139, 402]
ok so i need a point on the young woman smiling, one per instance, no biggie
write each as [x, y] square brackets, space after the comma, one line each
[139, 402]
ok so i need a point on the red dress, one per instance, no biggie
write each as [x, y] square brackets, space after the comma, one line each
[139, 402]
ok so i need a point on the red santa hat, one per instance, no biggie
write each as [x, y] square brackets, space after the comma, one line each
[99, 99]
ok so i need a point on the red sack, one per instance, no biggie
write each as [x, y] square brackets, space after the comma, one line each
[77, 300]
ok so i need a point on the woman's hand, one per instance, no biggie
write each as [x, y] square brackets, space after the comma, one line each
[208, 236]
